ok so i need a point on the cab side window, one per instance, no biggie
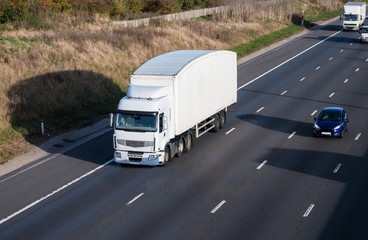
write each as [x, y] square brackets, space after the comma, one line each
[161, 122]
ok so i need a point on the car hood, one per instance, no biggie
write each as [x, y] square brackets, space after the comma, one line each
[327, 124]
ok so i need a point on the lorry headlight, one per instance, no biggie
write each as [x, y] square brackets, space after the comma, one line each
[117, 154]
[153, 157]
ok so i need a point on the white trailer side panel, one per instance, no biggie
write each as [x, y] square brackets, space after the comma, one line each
[205, 86]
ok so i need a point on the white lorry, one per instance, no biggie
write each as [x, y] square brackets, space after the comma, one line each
[171, 99]
[354, 15]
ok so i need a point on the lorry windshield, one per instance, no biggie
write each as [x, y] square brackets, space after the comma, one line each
[364, 30]
[137, 122]
[351, 17]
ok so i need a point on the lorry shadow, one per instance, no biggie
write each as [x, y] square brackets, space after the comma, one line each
[65, 101]
[279, 124]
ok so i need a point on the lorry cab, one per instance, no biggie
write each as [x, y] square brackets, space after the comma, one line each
[140, 125]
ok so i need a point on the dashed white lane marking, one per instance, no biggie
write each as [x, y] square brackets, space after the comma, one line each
[337, 168]
[134, 199]
[331, 94]
[346, 80]
[54, 192]
[351, 44]
[330, 58]
[229, 131]
[262, 164]
[283, 63]
[341, 50]
[283, 93]
[318, 67]
[259, 109]
[314, 112]
[366, 60]
[291, 135]
[358, 136]
[356, 70]
[302, 79]
[218, 206]
[308, 210]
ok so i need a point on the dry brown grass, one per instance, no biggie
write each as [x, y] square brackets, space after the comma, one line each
[74, 66]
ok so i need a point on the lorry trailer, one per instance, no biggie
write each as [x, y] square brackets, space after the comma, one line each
[172, 99]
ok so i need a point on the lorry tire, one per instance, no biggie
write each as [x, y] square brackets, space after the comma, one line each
[180, 147]
[188, 142]
[222, 119]
[216, 123]
[167, 156]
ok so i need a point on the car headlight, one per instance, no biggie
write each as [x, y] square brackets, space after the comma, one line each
[117, 154]
[337, 127]
[153, 157]
[316, 126]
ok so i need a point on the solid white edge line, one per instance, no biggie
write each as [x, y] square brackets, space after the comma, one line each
[291, 135]
[337, 168]
[358, 136]
[261, 165]
[331, 94]
[54, 192]
[218, 206]
[314, 112]
[308, 210]
[229, 131]
[274, 68]
[259, 109]
[24, 170]
[134, 199]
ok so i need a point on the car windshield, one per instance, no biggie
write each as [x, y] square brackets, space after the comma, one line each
[136, 122]
[351, 17]
[331, 116]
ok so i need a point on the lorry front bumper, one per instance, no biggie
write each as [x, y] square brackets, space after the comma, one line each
[147, 159]
[351, 27]
[364, 40]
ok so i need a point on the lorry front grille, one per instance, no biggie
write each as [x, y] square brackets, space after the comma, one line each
[134, 144]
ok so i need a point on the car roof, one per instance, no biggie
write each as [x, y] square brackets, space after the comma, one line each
[332, 109]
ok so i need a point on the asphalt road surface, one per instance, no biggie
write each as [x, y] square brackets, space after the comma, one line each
[261, 177]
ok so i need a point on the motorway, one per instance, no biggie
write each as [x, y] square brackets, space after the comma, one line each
[261, 177]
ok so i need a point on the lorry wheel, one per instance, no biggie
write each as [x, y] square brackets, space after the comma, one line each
[188, 142]
[222, 119]
[180, 148]
[216, 123]
[166, 156]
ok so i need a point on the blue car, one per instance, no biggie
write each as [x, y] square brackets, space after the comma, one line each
[332, 121]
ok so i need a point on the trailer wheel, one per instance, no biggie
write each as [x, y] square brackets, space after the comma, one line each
[216, 123]
[180, 148]
[188, 142]
[166, 156]
[222, 119]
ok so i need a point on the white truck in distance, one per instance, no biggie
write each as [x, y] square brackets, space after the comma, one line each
[354, 15]
[171, 99]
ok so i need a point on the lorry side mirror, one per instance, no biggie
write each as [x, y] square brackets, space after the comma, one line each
[111, 120]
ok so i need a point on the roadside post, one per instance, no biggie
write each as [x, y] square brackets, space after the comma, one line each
[302, 17]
